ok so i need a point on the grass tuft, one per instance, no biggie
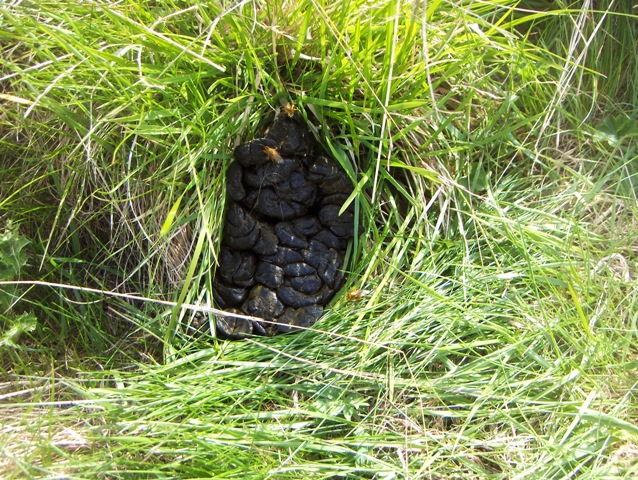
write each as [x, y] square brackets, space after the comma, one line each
[488, 325]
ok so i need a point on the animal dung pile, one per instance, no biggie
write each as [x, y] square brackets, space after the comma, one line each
[283, 242]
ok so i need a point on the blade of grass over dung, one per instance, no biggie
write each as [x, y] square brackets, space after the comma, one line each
[488, 325]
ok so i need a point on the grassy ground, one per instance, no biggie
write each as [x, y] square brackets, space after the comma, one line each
[490, 330]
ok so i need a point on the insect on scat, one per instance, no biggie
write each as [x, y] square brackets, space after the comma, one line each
[273, 154]
[289, 110]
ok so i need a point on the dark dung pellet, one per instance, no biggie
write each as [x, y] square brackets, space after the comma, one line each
[283, 238]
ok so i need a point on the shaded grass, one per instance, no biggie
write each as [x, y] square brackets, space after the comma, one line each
[495, 336]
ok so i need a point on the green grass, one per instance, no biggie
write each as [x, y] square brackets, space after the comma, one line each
[492, 146]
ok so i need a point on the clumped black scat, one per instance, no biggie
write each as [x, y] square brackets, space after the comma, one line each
[283, 241]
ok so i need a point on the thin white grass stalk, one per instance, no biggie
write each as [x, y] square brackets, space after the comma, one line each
[219, 17]
[61, 403]
[37, 66]
[49, 87]
[130, 296]
[189, 306]
[168, 40]
[572, 65]
[174, 14]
